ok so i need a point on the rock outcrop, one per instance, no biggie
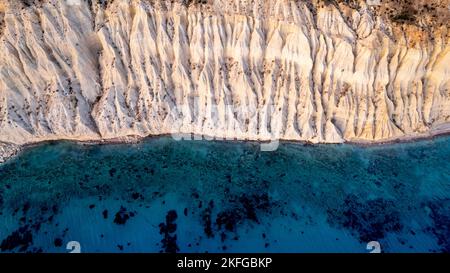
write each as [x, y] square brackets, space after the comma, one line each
[319, 71]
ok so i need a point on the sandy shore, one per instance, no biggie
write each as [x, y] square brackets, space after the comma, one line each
[436, 132]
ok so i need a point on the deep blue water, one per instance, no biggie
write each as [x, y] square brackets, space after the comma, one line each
[163, 195]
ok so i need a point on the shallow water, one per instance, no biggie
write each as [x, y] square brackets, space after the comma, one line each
[163, 195]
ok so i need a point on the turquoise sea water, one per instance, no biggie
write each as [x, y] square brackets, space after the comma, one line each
[163, 195]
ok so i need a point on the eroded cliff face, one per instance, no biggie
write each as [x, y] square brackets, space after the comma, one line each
[255, 69]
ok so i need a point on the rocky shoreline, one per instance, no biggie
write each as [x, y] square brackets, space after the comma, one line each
[9, 150]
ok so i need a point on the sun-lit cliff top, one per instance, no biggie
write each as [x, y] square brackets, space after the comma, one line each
[423, 19]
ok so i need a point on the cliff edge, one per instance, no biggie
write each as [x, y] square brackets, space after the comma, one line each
[318, 71]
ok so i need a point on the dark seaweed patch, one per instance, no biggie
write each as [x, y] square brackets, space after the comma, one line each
[112, 171]
[21, 238]
[369, 220]
[58, 242]
[122, 216]
[168, 229]
[207, 221]
[243, 208]
[25, 208]
[440, 214]
[246, 208]
[136, 196]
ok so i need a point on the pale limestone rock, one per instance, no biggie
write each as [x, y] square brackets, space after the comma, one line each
[254, 70]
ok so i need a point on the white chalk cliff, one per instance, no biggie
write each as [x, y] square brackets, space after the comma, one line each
[247, 69]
